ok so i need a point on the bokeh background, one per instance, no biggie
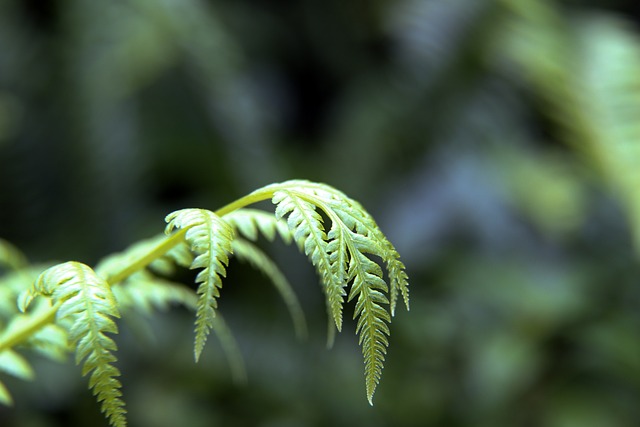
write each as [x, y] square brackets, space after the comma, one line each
[497, 143]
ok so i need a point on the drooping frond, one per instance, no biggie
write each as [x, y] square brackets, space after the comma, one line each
[251, 222]
[248, 252]
[356, 218]
[369, 288]
[588, 74]
[209, 237]
[88, 306]
[308, 232]
[342, 256]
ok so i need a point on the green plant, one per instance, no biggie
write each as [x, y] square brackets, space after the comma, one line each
[73, 305]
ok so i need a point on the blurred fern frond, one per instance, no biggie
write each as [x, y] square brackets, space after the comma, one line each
[589, 75]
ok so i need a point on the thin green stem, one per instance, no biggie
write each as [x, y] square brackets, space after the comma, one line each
[255, 197]
[160, 249]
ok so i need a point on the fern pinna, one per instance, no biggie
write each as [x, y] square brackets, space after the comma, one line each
[72, 306]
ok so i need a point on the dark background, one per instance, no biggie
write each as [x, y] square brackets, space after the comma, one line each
[493, 141]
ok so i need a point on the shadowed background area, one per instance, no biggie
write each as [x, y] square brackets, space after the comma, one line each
[496, 142]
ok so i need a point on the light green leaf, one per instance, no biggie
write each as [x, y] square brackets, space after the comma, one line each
[86, 302]
[341, 257]
[209, 237]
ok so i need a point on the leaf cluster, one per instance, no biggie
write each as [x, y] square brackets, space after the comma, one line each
[71, 306]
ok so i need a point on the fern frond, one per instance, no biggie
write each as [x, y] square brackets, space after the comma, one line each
[611, 89]
[399, 280]
[86, 303]
[588, 75]
[355, 217]
[248, 252]
[342, 256]
[210, 238]
[308, 233]
[369, 288]
[248, 222]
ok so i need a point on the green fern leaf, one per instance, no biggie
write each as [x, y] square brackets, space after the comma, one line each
[355, 217]
[248, 252]
[342, 256]
[86, 303]
[398, 278]
[369, 288]
[588, 75]
[308, 233]
[210, 238]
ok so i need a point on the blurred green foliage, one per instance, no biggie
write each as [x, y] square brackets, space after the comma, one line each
[496, 142]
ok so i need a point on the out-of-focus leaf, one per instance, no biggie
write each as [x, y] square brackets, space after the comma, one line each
[544, 187]
[589, 74]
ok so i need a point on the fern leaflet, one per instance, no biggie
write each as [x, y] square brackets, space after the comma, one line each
[87, 307]
[210, 238]
[341, 257]
[308, 233]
